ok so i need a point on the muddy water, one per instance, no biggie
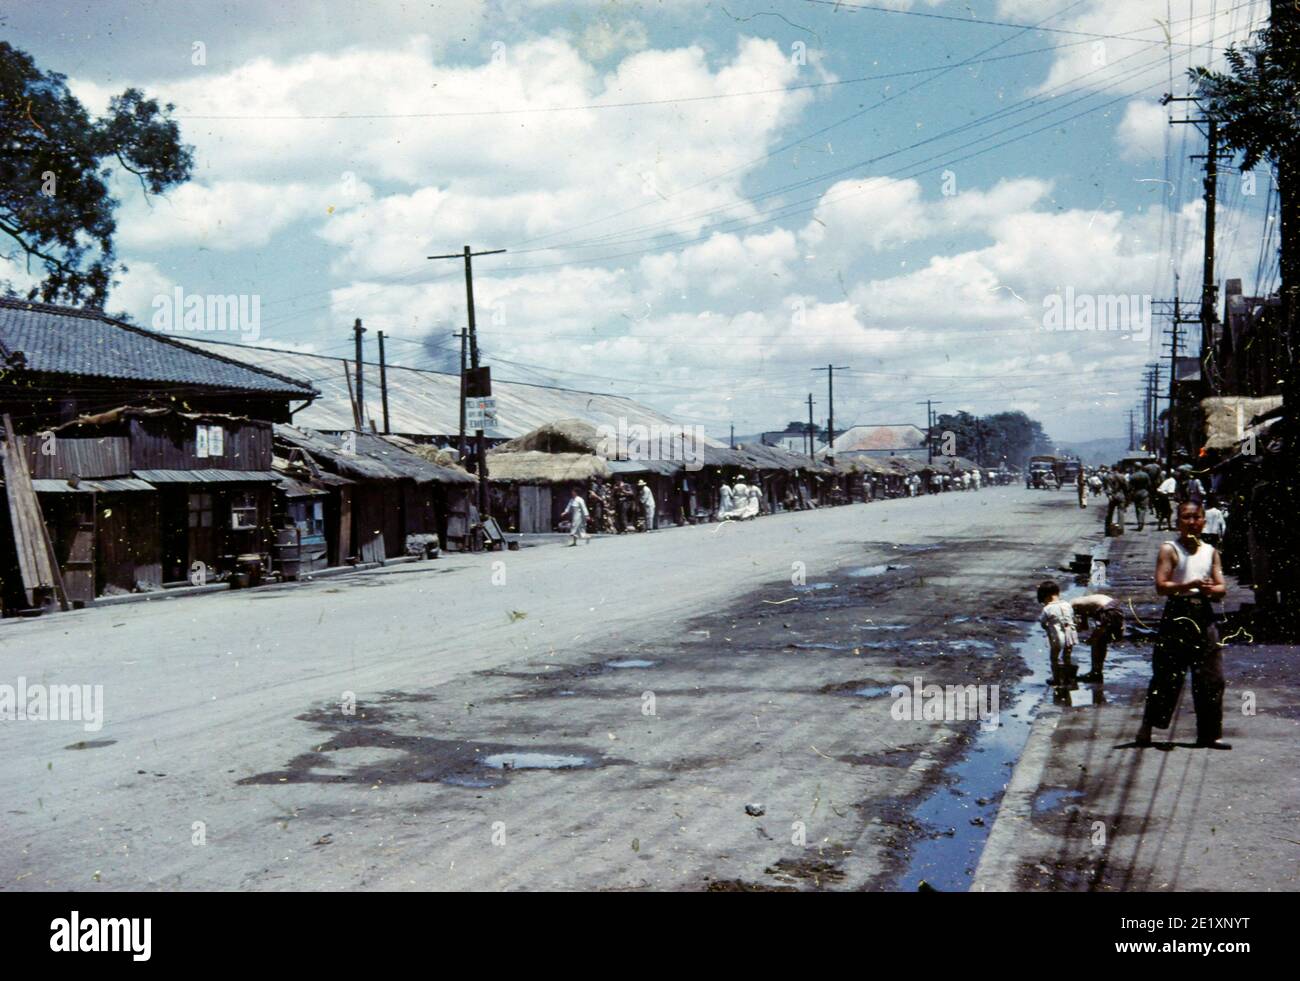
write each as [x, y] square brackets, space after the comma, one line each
[959, 813]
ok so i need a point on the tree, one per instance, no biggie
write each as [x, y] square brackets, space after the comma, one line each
[1257, 106]
[988, 440]
[56, 212]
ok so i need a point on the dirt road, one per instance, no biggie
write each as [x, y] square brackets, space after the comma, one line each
[596, 717]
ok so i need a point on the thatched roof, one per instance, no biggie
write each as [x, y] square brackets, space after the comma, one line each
[1227, 419]
[561, 436]
[535, 467]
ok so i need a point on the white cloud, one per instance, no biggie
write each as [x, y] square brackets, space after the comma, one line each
[1142, 132]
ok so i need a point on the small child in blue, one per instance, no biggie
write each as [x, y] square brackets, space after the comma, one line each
[1057, 619]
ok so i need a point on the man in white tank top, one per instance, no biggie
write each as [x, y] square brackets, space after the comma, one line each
[1189, 572]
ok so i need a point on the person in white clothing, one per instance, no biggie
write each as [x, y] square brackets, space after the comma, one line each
[577, 514]
[647, 505]
[726, 501]
[1216, 524]
[1058, 622]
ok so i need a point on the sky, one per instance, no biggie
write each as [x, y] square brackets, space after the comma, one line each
[701, 203]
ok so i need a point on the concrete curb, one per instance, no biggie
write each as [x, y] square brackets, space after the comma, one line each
[997, 870]
[162, 594]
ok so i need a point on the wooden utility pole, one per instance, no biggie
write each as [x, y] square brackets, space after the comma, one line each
[830, 370]
[480, 452]
[383, 381]
[812, 431]
[1208, 314]
[929, 428]
[460, 446]
[358, 330]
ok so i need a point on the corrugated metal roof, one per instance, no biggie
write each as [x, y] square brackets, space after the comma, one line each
[427, 403]
[72, 341]
[112, 486]
[207, 476]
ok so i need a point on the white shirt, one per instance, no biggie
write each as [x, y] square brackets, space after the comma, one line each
[579, 508]
[1214, 522]
[1193, 566]
[1168, 487]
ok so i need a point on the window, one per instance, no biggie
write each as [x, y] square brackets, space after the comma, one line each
[200, 510]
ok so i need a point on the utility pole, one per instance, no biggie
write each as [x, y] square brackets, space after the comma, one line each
[1131, 447]
[480, 453]
[1208, 314]
[929, 428]
[830, 370]
[358, 330]
[462, 334]
[731, 440]
[812, 432]
[1173, 437]
[383, 380]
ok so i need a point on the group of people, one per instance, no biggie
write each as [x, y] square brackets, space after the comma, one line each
[618, 507]
[938, 482]
[739, 501]
[1145, 488]
[1189, 571]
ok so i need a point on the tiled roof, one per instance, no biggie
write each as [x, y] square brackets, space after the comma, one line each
[73, 341]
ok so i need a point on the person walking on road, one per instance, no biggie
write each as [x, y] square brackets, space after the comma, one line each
[647, 505]
[1216, 525]
[1164, 497]
[1190, 573]
[1115, 492]
[1139, 492]
[1082, 483]
[577, 513]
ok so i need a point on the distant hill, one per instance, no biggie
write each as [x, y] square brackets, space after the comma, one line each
[1095, 452]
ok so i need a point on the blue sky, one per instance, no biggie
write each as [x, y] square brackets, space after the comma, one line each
[701, 201]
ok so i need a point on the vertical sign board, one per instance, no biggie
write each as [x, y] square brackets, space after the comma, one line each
[480, 406]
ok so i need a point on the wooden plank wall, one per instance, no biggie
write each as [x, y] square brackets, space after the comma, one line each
[168, 443]
[56, 457]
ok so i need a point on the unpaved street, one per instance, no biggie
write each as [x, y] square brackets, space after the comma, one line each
[671, 679]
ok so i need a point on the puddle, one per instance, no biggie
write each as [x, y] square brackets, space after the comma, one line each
[466, 780]
[874, 691]
[1054, 799]
[813, 585]
[868, 571]
[566, 692]
[631, 662]
[534, 761]
[881, 626]
[953, 813]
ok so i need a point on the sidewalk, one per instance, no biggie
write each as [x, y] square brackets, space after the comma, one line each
[1087, 812]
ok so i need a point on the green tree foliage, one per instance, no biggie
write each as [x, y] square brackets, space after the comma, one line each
[988, 440]
[56, 211]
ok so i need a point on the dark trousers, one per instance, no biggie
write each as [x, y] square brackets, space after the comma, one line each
[1115, 515]
[1140, 510]
[1188, 641]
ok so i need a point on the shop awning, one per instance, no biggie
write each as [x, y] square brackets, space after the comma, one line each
[112, 485]
[208, 476]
